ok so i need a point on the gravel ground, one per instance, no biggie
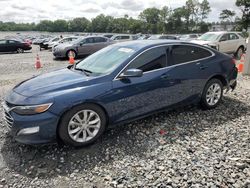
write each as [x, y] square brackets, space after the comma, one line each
[182, 148]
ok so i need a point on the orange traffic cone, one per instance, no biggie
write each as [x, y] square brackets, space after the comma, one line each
[71, 58]
[38, 62]
[241, 65]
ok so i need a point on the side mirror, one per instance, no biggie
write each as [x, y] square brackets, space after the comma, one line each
[131, 73]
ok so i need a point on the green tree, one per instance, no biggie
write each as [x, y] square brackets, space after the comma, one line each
[205, 9]
[151, 16]
[79, 25]
[227, 15]
[244, 5]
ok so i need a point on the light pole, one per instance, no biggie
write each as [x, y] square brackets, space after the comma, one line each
[246, 70]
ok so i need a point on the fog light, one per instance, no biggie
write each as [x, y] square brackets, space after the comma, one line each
[31, 130]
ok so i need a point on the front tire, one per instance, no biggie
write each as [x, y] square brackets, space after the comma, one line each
[212, 94]
[74, 54]
[82, 125]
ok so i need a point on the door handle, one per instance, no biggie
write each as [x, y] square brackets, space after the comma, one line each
[165, 76]
[202, 67]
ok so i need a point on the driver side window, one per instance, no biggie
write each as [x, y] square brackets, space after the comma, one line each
[224, 37]
[150, 60]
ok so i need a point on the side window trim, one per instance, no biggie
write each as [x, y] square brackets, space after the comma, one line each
[124, 68]
[170, 56]
[167, 59]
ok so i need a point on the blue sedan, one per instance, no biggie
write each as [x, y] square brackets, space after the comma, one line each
[116, 85]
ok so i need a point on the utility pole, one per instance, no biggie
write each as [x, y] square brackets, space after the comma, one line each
[246, 70]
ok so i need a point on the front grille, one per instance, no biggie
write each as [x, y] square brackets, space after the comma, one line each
[7, 116]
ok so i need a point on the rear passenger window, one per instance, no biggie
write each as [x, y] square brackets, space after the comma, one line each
[233, 36]
[150, 60]
[89, 40]
[100, 39]
[124, 37]
[181, 54]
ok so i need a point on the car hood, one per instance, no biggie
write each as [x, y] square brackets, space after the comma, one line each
[201, 42]
[51, 82]
[65, 45]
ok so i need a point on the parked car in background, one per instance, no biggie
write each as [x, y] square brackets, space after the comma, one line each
[122, 38]
[64, 40]
[14, 46]
[116, 85]
[50, 43]
[226, 42]
[144, 37]
[189, 37]
[108, 35]
[157, 37]
[81, 46]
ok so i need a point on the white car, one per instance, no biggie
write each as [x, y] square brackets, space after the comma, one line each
[122, 38]
[63, 40]
[227, 42]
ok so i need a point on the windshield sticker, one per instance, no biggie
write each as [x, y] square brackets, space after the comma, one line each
[126, 50]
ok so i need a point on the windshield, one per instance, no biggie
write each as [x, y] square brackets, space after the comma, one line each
[106, 60]
[209, 37]
[153, 37]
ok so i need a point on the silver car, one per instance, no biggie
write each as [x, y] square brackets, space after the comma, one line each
[81, 46]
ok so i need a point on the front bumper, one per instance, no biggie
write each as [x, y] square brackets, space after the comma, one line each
[32, 129]
[58, 54]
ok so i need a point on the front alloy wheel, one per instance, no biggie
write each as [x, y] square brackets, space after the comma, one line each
[82, 125]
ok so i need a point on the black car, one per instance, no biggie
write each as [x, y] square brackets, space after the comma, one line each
[11, 45]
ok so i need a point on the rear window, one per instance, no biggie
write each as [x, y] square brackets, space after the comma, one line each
[185, 53]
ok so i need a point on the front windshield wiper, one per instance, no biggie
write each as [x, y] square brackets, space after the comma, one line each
[85, 71]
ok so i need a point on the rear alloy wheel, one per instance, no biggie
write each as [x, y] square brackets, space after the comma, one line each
[212, 94]
[82, 125]
[19, 50]
[239, 53]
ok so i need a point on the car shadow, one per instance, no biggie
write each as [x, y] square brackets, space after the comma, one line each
[135, 139]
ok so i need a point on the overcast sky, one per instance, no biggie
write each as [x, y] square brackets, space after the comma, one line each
[36, 10]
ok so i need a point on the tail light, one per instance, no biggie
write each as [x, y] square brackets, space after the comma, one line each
[26, 44]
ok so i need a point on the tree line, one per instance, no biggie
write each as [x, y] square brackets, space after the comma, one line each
[186, 19]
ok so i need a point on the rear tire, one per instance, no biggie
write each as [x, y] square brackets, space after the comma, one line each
[19, 50]
[212, 94]
[82, 125]
[239, 53]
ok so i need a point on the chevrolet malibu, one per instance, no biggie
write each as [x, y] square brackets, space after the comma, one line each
[118, 84]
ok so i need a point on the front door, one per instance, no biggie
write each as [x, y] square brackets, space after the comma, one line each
[133, 97]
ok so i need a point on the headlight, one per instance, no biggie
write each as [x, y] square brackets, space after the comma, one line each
[30, 110]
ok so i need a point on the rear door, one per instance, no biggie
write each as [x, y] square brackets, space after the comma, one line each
[234, 42]
[188, 70]
[100, 43]
[86, 46]
[3, 46]
[13, 45]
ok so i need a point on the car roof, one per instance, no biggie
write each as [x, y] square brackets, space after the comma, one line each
[221, 32]
[140, 44]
